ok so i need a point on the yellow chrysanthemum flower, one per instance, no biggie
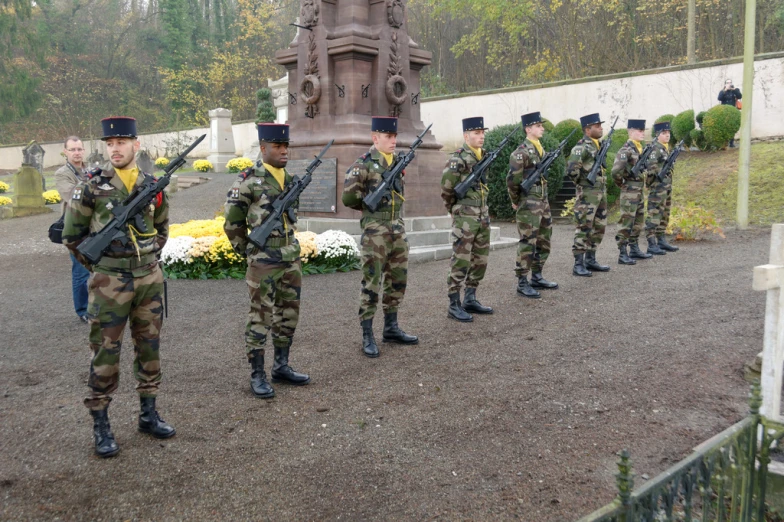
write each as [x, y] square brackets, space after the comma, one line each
[52, 196]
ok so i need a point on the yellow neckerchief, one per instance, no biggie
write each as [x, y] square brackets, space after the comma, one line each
[388, 157]
[596, 142]
[637, 145]
[666, 146]
[538, 146]
[128, 176]
[278, 174]
[477, 152]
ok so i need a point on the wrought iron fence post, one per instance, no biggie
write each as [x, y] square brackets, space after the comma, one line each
[747, 501]
[625, 480]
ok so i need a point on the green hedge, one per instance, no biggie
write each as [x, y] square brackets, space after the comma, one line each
[698, 138]
[682, 125]
[563, 129]
[720, 125]
[700, 117]
[498, 200]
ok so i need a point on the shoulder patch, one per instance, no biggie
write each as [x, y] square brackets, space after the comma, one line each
[622, 155]
[245, 173]
[577, 150]
[77, 193]
[365, 156]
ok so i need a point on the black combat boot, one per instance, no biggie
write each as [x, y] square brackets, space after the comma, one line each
[152, 423]
[593, 265]
[664, 245]
[105, 445]
[537, 281]
[456, 311]
[369, 346]
[258, 377]
[579, 266]
[282, 372]
[636, 253]
[393, 333]
[623, 258]
[653, 247]
[472, 305]
[524, 289]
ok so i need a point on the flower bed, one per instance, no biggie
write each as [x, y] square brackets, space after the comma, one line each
[52, 196]
[239, 164]
[4, 200]
[161, 163]
[4, 187]
[199, 249]
[202, 165]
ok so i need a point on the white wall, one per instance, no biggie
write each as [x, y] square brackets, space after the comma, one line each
[634, 95]
[647, 95]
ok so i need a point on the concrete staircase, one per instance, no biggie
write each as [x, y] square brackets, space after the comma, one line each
[429, 238]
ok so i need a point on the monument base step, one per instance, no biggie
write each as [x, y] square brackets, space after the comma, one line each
[436, 252]
[184, 182]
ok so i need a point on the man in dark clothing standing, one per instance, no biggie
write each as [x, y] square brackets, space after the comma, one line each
[730, 95]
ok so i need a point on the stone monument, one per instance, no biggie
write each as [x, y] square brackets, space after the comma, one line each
[95, 159]
[221, 139]
[144, 162]
[29, 183]
[351, 60]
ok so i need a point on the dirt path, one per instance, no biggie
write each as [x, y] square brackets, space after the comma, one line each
[518, 415]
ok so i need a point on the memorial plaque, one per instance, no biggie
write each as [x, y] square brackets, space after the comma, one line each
[322, 193]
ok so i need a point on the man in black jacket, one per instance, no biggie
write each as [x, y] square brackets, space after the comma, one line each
[730, 95]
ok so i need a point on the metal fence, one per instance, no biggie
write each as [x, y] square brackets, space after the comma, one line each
[724, 479]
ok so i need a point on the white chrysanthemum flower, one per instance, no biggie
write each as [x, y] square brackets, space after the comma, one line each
[177, 249]
[335, 244]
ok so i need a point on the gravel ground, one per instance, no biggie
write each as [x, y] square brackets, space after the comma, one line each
[518, 415]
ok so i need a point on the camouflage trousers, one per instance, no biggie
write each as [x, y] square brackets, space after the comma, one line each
[113, 300]
[470, 251]
[274, 291]
[384, 249]
[535, 228]
[659, 204]
[590, 213]
[632, 213]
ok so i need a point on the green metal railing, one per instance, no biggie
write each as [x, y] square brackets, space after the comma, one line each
[724, 479]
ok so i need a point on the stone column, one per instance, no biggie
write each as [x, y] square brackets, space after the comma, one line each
[221, 139]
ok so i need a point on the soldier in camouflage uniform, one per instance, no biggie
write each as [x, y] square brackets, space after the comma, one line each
[632, 212]
[384, 245]
[126, 284]
[590, 208]
[470, 223]
[534, 221]
[274, 273]
[659, 193]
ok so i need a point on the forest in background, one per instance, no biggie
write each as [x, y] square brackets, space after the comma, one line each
[65, 64]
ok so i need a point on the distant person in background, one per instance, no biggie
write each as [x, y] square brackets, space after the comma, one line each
[66, 178]
[730, 95]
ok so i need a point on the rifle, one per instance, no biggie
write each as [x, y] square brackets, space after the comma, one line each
[600, 157]
[93, 247]
[670, 163]
[384, 189]
[478, 172]
[283, 204]
[541, 170]
[642, 160]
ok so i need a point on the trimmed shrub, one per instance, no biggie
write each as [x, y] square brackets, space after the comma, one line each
[698, 139]
[557, 171]
[613, 190]
[682, 125]
[720, 125]
[700, 116]
[498, 199]
[619, 137]
[562, 130]
[265, 110]
[548, 125]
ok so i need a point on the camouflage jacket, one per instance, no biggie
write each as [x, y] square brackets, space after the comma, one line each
[66, 178]
[458, 167]
[248, 203]
[655, 163]
[581, 160]
[363, 176]
[90, 209]
[625, 160]
[523, 163]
